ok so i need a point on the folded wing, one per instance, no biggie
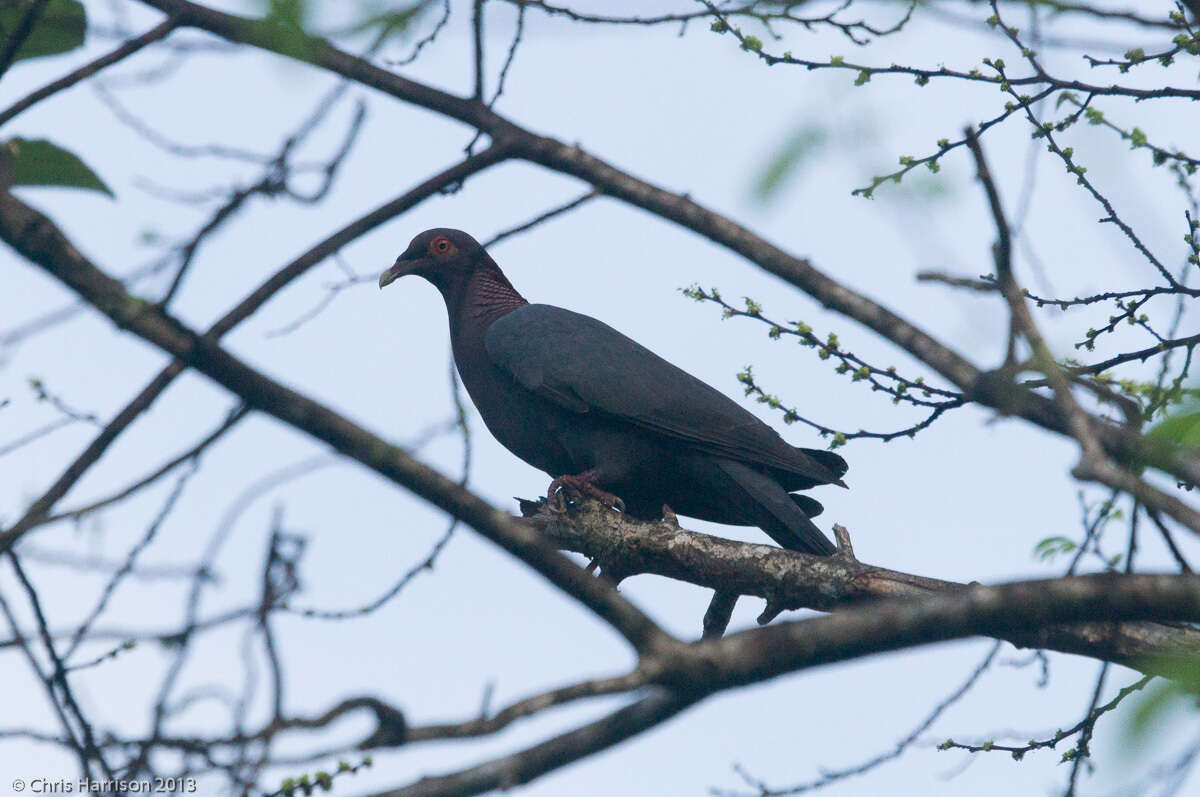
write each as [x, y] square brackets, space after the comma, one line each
[587, 366]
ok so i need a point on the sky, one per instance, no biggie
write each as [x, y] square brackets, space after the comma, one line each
[967, 499]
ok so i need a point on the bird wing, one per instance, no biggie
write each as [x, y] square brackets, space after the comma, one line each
[586, 366]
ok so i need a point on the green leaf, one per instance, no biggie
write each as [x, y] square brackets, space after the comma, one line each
[1066, 96]
[384, 22]
[752, 44]
[1178, 689]
[1182, 428]
[38, 162]
[1051, 547]
[287, 12]
[285, 23]
[783, 164]
[1151, 710]
[60, 27]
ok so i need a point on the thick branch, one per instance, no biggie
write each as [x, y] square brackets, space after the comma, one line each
[689, 673]
[37, 238]
[995, 611]
[789, 580]
[524, 766]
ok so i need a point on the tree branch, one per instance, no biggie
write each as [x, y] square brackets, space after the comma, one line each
[682, 210]
[127, 49]
[790, 580]
[688, 674]
[41, 508]
[37, 238]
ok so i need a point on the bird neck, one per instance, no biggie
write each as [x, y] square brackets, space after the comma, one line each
[485, 296]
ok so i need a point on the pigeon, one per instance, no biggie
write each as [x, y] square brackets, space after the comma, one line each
[607, 418]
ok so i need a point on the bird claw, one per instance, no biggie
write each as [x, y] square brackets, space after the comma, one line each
[556, 496]
[612, 501]
[556, 499]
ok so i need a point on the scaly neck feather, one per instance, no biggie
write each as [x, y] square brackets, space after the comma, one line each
[483, 297]
[490, 295]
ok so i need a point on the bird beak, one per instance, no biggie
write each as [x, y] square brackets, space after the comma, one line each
[403, 265]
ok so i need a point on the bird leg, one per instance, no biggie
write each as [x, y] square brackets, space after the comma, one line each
[720, 610]
[584, 484]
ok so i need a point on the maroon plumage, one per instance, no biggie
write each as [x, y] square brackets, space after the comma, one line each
[599, 412]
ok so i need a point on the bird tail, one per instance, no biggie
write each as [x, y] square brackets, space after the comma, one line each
[778, 513]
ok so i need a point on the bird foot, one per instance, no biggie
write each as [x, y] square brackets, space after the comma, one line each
[556, 496]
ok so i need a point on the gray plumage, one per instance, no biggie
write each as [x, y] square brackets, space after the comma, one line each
[576, 398]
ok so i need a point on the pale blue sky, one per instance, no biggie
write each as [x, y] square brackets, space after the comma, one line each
[967, 500]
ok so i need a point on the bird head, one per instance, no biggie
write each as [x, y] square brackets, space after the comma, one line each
[440, 255]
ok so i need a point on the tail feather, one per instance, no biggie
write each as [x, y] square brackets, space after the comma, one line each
[830, 460]
[811, 507]
[778, 513]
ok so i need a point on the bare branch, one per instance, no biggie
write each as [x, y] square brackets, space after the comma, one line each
[793, 581]
[37, 238]
[688, 674]
[42, 507]
[682, 210]
[157, 33]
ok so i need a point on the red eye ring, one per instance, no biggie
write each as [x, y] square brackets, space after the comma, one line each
[441, 245]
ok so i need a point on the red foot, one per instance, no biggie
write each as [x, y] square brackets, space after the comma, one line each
[582, 484]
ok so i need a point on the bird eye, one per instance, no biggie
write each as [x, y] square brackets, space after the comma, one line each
[441, 245]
